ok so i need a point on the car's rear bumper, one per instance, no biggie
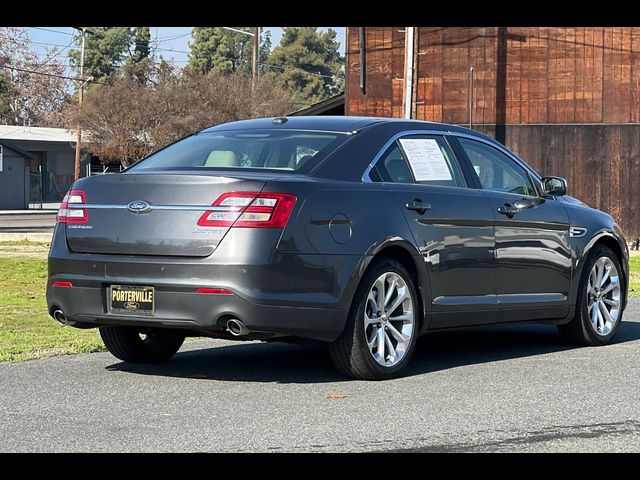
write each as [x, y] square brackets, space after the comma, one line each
[179, 308]
[299, 295]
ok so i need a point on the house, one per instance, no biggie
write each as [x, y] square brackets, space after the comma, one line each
[566, 100]
[36, 165]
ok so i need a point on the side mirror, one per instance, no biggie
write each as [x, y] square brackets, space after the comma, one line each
[556, 186]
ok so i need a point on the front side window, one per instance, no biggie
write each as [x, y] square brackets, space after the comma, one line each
[284, 150]
[495, 170]
[422, 159]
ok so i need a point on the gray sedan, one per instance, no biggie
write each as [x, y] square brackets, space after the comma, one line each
[362, 233]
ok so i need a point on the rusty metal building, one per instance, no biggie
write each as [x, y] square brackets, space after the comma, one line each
[567, 100]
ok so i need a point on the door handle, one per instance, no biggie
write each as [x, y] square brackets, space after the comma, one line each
[508, 210]
[418, 205]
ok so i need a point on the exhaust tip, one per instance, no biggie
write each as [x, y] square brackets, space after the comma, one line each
[60, 317]
[236, 328]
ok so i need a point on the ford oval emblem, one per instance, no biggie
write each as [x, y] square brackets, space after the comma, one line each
[139, 206]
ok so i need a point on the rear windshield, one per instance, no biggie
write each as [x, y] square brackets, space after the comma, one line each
[283, 150]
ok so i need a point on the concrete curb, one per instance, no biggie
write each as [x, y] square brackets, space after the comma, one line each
[39, 237]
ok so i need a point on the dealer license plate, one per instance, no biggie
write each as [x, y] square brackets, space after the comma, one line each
[131, 299]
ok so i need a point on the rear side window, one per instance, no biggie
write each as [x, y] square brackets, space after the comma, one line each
[392, 167]
[283, 150]
[422, 159]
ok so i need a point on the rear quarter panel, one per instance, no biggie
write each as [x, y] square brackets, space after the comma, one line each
[349, 220]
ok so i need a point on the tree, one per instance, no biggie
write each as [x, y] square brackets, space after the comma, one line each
[264, 51]
[306, 62]
[138, 62]
[6, 94]
[32, 98]
[215, 49]
[175, 106]
[105, 51]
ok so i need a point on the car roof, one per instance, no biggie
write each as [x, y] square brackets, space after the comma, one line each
[344, 124]
[320, 123]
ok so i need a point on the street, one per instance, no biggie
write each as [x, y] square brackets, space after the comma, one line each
[508, 388]
[28, 222]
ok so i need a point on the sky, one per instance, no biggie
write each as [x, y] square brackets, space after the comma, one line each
[172, 42]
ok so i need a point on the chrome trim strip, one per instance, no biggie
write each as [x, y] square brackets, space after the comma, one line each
[444, 133]
[577, 232]
[466, 300]
[198, 208]
[515, 298]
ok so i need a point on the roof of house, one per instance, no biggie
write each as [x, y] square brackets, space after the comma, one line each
[43, 134]
[330, 106]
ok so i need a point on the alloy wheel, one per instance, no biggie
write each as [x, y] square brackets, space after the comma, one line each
[603, 296]
[389, 319]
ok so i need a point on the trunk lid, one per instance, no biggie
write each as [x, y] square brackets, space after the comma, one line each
[169, 227]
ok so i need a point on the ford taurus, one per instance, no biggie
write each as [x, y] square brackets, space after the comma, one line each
[362, 233]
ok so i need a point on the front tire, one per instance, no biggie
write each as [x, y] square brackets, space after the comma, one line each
[380, 334]
[135, 345]
[599, 300]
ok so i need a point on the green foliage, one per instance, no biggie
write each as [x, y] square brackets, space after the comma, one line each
[105, 51]
[634, 277]
[26, 330]
[138, 62]
[6, 95]
[308, 63]
[214, 49]
[141, 49]
[264, 51]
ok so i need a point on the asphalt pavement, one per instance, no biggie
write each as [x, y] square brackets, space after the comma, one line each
[42, 222]
[507, 388]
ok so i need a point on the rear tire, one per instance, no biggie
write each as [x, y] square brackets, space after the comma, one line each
[599, 300]
[378, 340]
[126, 343]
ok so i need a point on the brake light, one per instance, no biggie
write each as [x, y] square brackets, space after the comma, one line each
[60, 284]
[249, 210]
[69, 208]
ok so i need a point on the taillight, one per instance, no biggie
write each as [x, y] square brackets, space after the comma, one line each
[249, 210]
[70, 208]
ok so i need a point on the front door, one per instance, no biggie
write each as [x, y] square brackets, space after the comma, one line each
[533, 272]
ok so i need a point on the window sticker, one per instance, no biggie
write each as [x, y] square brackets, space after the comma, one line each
[426, 159]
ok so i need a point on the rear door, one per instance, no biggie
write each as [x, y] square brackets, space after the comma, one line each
[451, 224]
[533, 274]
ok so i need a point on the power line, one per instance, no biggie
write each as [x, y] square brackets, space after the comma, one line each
[50, 44]
[12, 67]
[54, 31]
[55, 55]
[173, 37]
[259, 63]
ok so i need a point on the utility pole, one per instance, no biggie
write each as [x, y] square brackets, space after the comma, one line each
[409, 40]
[76, 170]
[256, 53]
[255, 33]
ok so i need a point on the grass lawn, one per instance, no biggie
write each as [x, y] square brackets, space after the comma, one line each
[634, 281]
[26, 330]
